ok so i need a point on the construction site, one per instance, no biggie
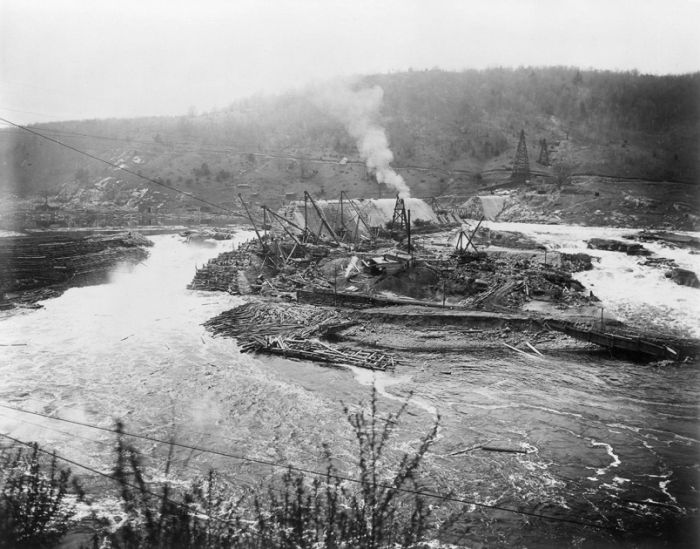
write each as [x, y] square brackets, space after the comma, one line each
[365, 282]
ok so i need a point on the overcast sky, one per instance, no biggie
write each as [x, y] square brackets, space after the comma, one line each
[67, 59]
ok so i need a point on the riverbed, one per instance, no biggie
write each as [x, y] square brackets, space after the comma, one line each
[605, 441]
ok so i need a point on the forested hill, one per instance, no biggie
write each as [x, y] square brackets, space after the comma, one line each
[450, 132]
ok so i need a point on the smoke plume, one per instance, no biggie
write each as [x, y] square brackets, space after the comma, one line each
[358, 110]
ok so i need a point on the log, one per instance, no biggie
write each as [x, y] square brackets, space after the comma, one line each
[533, 348]
[503, 450]
[465, 450]
[517, 350]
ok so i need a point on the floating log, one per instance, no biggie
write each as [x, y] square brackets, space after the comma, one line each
[486, 448]
[465, 450]
[503, 450]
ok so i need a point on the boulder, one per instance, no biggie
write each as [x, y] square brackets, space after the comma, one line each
[684, 277]
[668, 238]
[507, 239]
[630, 248]
[564, 279]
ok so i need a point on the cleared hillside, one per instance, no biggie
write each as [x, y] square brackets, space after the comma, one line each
[451, 134]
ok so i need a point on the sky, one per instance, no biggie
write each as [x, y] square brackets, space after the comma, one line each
[78, 59]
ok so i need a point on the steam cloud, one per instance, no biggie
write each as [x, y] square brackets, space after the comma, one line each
[358, 110]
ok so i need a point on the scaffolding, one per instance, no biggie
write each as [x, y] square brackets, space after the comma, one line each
[399, 218]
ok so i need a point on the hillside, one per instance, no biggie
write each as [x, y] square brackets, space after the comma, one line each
[630, 138]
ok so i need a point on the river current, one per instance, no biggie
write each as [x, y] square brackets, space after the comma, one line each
[606, 440]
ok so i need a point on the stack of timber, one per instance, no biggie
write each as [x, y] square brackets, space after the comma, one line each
[309, 277]
[38, 261]
[222, 273]
[496, 294]
[293, 332]
[260, 319]
[317, 351]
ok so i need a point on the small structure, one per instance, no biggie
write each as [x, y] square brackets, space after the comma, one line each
[544, 153]
[521, 163]
[399, 217]
[464, 240]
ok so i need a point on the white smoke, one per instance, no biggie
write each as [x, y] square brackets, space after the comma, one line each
[358, 110]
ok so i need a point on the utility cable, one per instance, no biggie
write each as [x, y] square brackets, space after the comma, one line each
[190, 147]
[52, 430]
[193, 147]
[184, 464]
[141, 489]
[319, 473]
[228, 439]
[116, 166]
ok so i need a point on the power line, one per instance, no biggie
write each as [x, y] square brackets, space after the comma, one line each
[192, 146]
[180, 463]
[46, 404]
[68, 133]
[46, 427]
[316, 473]
[122, 481]
[112, 164]
[269, 154]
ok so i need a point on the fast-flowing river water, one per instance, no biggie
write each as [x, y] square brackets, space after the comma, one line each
[606, 441]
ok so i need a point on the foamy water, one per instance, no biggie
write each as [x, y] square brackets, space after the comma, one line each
[135, 350]
[600, 436]
[633, 292]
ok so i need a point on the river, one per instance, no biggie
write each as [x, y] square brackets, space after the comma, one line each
[605, 440]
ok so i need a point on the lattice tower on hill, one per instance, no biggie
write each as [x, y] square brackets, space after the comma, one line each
[521, 163]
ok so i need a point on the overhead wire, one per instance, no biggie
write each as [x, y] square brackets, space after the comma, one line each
[193, 147]
[68, 133]
[60, 431]
[313, 472]
[118, 167]
[184, 464]
[122, 481]
[46, 403]
[230, 150]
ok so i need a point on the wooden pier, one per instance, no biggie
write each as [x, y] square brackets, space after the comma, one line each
[652, 346]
